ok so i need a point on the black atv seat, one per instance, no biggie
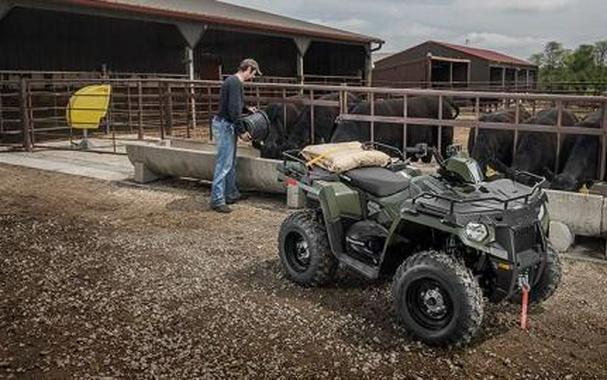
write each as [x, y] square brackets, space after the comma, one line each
[378, 181]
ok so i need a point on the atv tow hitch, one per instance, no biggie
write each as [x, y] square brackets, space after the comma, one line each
[523, 282]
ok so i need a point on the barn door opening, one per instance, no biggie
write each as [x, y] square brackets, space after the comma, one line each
[449, 73]
[209, 67]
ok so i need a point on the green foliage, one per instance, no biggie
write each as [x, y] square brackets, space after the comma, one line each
[586, 65]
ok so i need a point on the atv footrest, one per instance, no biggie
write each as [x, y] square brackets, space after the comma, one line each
[370, 272]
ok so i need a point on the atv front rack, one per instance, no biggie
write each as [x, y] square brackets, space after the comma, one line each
[540, 182]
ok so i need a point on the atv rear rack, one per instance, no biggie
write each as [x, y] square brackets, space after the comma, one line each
[304, 170]
[540, 182]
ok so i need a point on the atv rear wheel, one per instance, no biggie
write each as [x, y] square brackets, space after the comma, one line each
[438, 299]
[304, 250]
[548, 282]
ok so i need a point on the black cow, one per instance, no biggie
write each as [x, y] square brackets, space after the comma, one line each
[536, 151]
[494, 146]
[392, 134]
[274, 143]
[298, 134]
[581, 165]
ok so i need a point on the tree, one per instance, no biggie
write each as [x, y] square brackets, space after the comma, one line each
[582, 59]
[600, 49]
[586, 64]
[554, 55]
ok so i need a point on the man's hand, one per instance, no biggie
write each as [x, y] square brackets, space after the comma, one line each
[252, 109]
[246, 137]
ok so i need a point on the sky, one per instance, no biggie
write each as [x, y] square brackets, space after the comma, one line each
[516, 27]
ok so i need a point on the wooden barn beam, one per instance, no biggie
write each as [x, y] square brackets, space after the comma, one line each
[191, 32]
[302, 45]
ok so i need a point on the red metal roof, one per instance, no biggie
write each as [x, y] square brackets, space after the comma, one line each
[217, 12]
[488, 55]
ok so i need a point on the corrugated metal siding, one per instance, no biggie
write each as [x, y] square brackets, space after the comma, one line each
[55, 41]
[276, 56]
[324, 58]
[415, 53]
[224, 13]
[479, 68]
[414, 72]
[43, 40]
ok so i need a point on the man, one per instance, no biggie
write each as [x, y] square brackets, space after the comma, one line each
[225, 130]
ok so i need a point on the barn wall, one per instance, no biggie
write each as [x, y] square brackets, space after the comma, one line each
[479, 69]
[325, 58]
[415, 53]
[413, 72]
[409, 65]
[45, 40]
[276, 56]
[32, 39]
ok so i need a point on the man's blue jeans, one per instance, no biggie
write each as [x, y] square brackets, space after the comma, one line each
[224, 176]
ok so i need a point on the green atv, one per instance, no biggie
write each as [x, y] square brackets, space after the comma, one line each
[454, 237]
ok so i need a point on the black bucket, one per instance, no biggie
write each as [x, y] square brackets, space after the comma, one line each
[257, 124]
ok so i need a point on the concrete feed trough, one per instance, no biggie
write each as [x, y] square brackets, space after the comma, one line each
[175, 158]
[575, 214]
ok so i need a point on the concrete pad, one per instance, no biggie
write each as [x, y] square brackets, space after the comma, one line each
[582, 213]
[560, 236]
[257, 174]
[93, 165]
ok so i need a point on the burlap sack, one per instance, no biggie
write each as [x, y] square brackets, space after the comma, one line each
[341, 157]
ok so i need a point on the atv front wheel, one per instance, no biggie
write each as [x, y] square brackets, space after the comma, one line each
[438, 299]
[548, 282]
[304, 250]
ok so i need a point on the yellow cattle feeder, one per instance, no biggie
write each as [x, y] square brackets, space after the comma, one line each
[86, 108]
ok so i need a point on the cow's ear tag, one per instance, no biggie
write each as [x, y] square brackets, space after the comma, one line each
[490, 172]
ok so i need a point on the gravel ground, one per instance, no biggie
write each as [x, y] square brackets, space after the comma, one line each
[106, 280]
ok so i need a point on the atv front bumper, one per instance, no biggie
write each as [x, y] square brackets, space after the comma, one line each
[516, 253]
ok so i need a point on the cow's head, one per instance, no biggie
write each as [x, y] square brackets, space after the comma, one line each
[325, 118]
[565, 182]
[272, 146]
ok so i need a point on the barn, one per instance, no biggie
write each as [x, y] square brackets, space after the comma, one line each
[198, 38]
[445, 65]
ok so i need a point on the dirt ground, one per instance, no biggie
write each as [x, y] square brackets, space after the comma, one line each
[101, 280]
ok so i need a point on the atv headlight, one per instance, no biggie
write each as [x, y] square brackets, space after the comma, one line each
[476, 232]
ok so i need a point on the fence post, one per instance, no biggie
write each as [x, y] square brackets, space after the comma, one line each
[371, 96]
[604, 139]
[192, 105]
[1, 116]
[439, 142]
[405, 116]
[161, 109]
[128, 101]
[559, 123]
[25, 115]
[312, 126]
[169, 109]
[139, 110]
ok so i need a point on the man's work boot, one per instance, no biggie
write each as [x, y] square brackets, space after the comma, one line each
[242, 197]
[224, 209]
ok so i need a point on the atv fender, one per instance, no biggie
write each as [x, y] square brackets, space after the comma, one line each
[336, 201]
